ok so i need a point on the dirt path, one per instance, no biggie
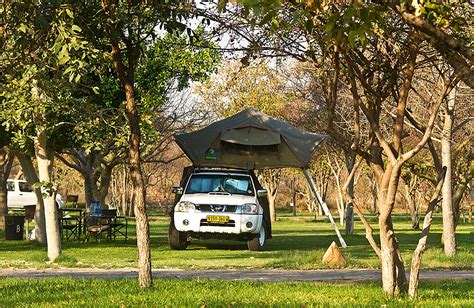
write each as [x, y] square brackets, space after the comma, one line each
[345, 275]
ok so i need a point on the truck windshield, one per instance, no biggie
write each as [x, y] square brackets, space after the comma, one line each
[232, 184]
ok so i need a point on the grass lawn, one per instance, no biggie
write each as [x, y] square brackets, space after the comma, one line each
[298, 243]
[100, 292]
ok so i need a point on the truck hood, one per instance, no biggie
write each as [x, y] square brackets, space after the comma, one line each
[218, 199]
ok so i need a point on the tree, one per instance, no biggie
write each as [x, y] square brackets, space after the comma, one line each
[120, 29]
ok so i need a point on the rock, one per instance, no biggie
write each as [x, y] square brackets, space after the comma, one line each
[333, 257]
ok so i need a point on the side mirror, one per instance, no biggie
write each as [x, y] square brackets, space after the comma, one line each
[262, 193]
[177, 190]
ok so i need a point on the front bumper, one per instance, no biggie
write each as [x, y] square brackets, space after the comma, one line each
[237, 223]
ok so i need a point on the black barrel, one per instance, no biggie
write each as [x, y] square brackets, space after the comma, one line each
[14, 227]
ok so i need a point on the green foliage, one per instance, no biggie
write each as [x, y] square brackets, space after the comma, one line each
[171, 63]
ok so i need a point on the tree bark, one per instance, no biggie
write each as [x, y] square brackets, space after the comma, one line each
[270, 180]
[32, 177]
[449, 235]
[145, 278]
[420, 248]
[409, 194]
[271, 205]
[44, 160]
[459, 193]
[6, 160]
[393, 271]
[350, 159]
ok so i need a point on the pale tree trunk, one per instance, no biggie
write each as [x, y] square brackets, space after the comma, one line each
[349, 188]
[6, 161]
[373, 193]
[270, 180]
[44, 160]
[449, 231]
[420, 248]
[32, 178]
[410, 197]
[339, 198]
[459, 193]
[271, 204]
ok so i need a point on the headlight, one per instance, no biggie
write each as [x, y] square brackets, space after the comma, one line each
[249, 208]
[185, 206]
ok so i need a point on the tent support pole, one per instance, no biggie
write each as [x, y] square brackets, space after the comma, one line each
[323, 204]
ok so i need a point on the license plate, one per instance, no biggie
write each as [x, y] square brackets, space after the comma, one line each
[218, 219]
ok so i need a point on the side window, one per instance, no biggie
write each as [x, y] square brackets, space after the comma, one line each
[10, 186]
[24, 187]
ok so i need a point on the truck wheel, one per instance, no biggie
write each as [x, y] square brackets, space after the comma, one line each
[258, 243]
[177, 240]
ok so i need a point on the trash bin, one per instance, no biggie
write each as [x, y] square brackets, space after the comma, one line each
[14, 225]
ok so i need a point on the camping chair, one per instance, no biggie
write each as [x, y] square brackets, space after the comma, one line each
[69, 226]
[118, 224]
[96, 225]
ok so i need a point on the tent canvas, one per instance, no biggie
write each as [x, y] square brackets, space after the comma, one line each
[249, 140]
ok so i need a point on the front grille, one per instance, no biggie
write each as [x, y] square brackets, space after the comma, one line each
[216, 208]
[205, 223]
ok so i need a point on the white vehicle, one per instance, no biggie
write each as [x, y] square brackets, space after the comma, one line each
[20, 194]
[222, 204]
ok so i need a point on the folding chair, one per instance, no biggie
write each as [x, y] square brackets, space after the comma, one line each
[69, 226]
[96, 226]
[119, 224]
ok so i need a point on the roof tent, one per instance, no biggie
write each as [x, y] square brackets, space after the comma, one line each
[249, 140]
[253, 140]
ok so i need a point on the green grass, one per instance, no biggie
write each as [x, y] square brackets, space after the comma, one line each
[298, 243]
[178, 293]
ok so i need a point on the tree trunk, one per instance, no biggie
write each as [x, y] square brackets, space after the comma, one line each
[44, 161]
[459, 193]
[145, 278]
[412, 207]
[6, 161]
[271, 205]
[393, 270]
[420, 248]
[373, 192]
[449, 236]
[32, 177]
[350, 158]
[89, 188]
[105, 179]
[294, 202]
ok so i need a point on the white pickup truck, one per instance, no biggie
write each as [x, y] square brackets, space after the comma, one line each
[21, 194]
[220, 204]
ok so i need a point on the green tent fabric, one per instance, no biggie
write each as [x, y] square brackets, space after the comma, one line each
[249, 140]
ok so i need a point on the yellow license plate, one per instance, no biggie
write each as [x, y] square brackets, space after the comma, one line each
[218, 219]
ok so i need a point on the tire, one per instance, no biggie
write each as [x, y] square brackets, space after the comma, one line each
[177, 240]
[259, 243]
